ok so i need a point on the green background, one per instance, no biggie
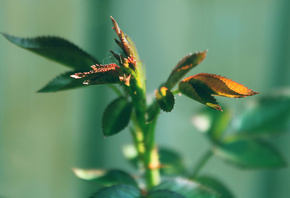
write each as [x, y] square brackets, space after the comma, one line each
[43, 136]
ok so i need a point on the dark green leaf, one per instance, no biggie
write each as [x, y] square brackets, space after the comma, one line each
[164, 194]
[251, 154]
[165, 99]
[116, 116]
[211, 122]
[118, 191]
[172, 163]
[105, 177]
[56, 49]
[216, 185]
[184, 66]
[268, 115]
[62, 82]
[186, 188]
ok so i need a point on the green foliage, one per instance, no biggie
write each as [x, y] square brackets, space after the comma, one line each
[105, 177]
[238, 139]
[116, 116]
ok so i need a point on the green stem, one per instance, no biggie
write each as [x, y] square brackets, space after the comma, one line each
[201, 163]
[176, 91]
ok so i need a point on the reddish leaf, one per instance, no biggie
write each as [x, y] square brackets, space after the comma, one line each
[221, 86]
[184, 66]
[101, 74]
[201, 86]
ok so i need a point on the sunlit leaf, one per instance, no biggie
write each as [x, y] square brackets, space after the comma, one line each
[216, 185]
[56, 49]
[220, 86]
[165, 99]
[105, 177]
[171, 162]
[199, 95]
[62, 82]
[184, 66]
[212, 123]
[202, 86]
[251, 154]
[101, 74]
[164, 194]
[118, 191]
[116, 116]
[268, 115]
[186, 188]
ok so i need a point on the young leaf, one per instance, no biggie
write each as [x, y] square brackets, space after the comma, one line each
[118, 191]
[165, 99]
[216, 185]
[171, 162]
[186, 188]
[116, 116]
[56, 49]
[105, 177]
[251, 154]
[101, 74]
[269, 115]
[164, 194]
[202, 86]
[62, 82]
[184, 66]
[212, 123]
[201, 95]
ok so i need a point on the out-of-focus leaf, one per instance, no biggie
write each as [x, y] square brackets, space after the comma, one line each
[202, 86]
[216, 185]
[268, 115]
[118, 191]
[101, 74]
[186, 188]
[56, 49]
[250, 154]
[130, 153]
[62, 82]
[184, 66]
[171, 162]
[165, 99]
[213, 123]
[164, 194]
[116, 116]
[105, 177]
[199, 95]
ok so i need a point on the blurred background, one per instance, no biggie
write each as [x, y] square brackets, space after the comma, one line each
[43, 136]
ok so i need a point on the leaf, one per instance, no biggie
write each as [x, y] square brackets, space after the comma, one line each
[61, 82]
[183, 67]
[165, 99]
[220, 86]
[212, 123]
[105, 177]
[118, 191]
[101, 74]
[56, 49]
[116, 116]
[202, 96]
[164, 194]
[268, 115]
[202, 86]
[250, 154]
[171, 162]
[216, 185]
[186, 188]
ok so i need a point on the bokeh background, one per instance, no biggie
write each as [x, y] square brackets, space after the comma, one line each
[43, 136]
